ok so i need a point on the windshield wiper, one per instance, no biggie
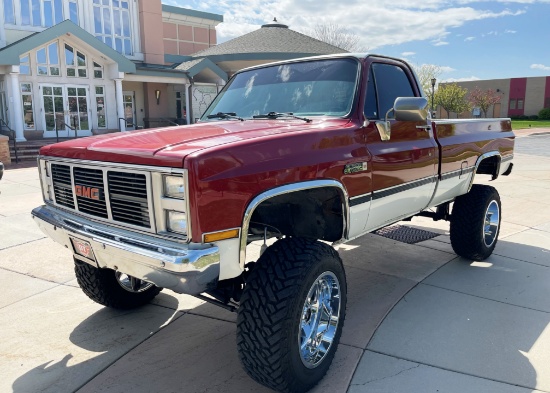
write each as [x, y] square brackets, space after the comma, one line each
[276, 115]
[225, 115]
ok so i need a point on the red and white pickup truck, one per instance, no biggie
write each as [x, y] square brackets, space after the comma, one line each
[312, 152]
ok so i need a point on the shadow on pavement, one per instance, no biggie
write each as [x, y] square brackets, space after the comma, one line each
[461, 319]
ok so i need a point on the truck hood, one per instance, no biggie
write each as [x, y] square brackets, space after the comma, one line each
[169, 146]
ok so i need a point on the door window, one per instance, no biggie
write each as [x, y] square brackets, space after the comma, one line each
[53, 107]
[78, 107]
[391, 82]
[128, 99]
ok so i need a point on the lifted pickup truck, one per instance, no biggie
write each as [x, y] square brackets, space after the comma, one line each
[311, 152]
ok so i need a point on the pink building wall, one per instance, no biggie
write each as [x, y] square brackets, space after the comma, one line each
[152, 43]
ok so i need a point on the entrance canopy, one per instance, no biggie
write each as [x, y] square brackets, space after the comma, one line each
[10, 54]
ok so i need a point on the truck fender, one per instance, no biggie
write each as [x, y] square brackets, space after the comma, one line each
[287, 189]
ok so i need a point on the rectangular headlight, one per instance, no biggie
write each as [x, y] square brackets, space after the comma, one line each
[176, 222]
[174, 187]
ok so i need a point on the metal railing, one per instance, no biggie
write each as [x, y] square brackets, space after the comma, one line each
[64, 125]
[128, 124]
[12, 136]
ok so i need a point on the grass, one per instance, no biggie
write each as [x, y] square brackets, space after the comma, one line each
[519, 124]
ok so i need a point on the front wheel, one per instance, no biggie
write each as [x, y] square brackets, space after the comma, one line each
[291, 314]
[475, 222]
[113, 289]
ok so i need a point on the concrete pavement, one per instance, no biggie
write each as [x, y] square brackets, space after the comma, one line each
[419, 318]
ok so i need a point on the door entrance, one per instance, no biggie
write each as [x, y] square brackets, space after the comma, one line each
[65, 109]
[129, 110]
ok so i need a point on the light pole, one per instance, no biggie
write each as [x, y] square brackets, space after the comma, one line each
[433, 90]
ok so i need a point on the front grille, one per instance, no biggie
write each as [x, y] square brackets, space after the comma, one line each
[124, 199]
[90, 181]
[63, 189]
[128, 195]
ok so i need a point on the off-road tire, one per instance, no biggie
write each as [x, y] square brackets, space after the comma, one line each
[102, 287]
[468, 222]
[271, 313]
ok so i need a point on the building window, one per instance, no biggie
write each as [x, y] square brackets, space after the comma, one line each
[547, 102]
[112, 24]
[513, 104]
[53, 12]
[520, 104]
[28, 113]
[31, 13]
[100, 104]
[98, 71]
[75, 62]
[9, 14]
[24, 65]
[47, 60]
[73, 11]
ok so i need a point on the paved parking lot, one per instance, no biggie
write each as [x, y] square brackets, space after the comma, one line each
[419, 318]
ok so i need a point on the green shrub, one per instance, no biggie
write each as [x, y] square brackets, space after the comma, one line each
[533, 117]
[544, 114]
[523, 117]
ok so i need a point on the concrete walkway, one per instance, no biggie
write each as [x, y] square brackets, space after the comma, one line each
[419, 318]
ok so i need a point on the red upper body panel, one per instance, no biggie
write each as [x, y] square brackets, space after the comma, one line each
[231, 161]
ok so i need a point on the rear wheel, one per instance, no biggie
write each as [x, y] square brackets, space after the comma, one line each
[113, 289]
[291, 314]
[475, 222]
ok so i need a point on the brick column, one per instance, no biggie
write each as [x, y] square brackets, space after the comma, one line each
[5, 149]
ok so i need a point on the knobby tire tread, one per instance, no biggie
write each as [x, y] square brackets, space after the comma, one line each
[262, 323]
[101, 286]
[467, 222]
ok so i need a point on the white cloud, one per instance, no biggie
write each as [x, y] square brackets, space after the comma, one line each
[404, 21]
[407, 54]
[510, 31]
[469, 38]
[540, 67]
[465, 79]
[446, 69]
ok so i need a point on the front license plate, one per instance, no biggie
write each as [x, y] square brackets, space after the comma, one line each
[83, 248]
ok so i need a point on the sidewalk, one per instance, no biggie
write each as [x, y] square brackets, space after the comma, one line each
[419, 318]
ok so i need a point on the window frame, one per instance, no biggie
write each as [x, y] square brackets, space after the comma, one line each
[48, 65]
[27, 94]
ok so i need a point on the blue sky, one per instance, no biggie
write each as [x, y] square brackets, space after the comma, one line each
[468, 39]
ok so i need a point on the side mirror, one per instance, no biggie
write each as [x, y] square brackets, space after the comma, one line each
[404, 109]
[411, 109]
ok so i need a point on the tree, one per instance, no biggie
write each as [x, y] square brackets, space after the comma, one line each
[425, 73]
[336, 35]
[483, 99]
[452, 98]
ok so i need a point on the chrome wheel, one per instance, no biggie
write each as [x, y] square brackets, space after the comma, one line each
[319, 319]
[492, 220]
[132, 284]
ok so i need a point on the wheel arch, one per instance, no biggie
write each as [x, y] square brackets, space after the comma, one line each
[487, 164]
[293, 192]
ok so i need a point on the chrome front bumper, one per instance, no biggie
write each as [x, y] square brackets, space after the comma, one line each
[183, 268]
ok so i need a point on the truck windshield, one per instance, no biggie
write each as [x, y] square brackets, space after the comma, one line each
[312, 88]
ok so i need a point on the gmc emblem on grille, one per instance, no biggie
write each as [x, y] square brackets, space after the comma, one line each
[87, 192]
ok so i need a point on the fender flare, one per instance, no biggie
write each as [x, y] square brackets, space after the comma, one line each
[286, 189]
[478, 162]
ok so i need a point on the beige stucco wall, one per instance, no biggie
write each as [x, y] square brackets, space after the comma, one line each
[534, 97]
[503, 87]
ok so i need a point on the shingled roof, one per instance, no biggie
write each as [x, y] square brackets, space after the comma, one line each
[271, 38]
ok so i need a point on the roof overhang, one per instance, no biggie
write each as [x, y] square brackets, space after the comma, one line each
[202, 69]
[11, 53]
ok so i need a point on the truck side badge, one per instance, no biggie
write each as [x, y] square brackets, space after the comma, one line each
[355, 167]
